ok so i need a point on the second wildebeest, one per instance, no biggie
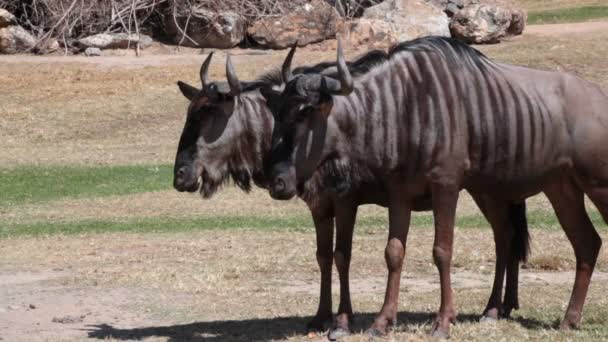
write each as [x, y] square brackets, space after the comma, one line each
[228, 133]
[438, 117]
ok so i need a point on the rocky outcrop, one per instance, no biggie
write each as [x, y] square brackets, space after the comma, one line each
[204, 28]
[92, 52]
[395, 21]
[482, 21]
[7, 18]
[519, 18]
[449, 6]
[114, 41]
[15, 39]
[311, 23]
[486, 24]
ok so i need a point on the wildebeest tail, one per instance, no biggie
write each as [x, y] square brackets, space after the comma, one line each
[521, 239]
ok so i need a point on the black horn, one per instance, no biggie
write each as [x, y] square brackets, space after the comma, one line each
[205, 70]
[233, 81]
[286, 69]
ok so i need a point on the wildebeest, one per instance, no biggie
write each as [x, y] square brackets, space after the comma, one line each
[437, 117]
[228, 133]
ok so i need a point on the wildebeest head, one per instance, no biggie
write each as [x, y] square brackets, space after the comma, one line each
[301, 112]
[208, 135]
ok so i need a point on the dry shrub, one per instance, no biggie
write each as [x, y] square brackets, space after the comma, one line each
[73, 19]
[66, 20]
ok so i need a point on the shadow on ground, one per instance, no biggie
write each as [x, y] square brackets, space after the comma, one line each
[265, 329]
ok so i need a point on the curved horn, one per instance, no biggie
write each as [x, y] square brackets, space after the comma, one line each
[233, 81]
[286, 69]
[205, 69]
[346, 80]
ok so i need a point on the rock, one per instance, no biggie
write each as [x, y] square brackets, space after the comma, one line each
[311, 23]
[15, 39]
[115, 41]
[68, 319]
[395, 21]
[92, 52]
[32, 306]
[208, 29]
[519, 18]
[370, 33]
[451, 7]
[481, 24]
[51, 45]
[7, 18]
[448, 6]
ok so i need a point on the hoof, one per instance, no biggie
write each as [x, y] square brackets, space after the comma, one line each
[490, 315]
[506, 314]
[571, 321]
[568, 325]
[318, 325]
[440, 334]
[337, 333]
[375, 332]
[485, 319]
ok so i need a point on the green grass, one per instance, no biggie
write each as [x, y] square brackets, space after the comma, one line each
[35, 184]
[538, 219]
[567, 15]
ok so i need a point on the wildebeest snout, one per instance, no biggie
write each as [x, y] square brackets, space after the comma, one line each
[185, 179]
[283, 186]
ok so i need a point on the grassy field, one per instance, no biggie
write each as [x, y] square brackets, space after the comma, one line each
[90, 228]
[567, 15]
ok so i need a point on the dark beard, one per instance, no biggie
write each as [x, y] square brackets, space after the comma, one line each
[240, 177]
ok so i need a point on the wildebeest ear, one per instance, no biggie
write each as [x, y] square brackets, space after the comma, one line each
[188, 90]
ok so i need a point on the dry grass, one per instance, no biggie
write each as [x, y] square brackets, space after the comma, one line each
[231, 201]
[239, 284]
[583, 55]
[113, 113]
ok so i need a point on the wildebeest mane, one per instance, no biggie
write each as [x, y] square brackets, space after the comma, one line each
[455, 51]
[359, 66]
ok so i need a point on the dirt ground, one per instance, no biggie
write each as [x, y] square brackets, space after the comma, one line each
[248, 285]
[235, 285]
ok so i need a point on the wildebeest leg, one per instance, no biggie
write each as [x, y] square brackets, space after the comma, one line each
[399, 213]
[496, 212]
[511, 300]
[518, 253]
[324, 228]
[445, 199]
[568, 201]
[346, 212]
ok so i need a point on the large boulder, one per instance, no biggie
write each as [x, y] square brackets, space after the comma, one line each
[7, 18]
[486, 24]
[519, 18]
[394, 21]
[450, 7]
[15, 39]
[114, 41]
[204, 28]
[311, 23]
